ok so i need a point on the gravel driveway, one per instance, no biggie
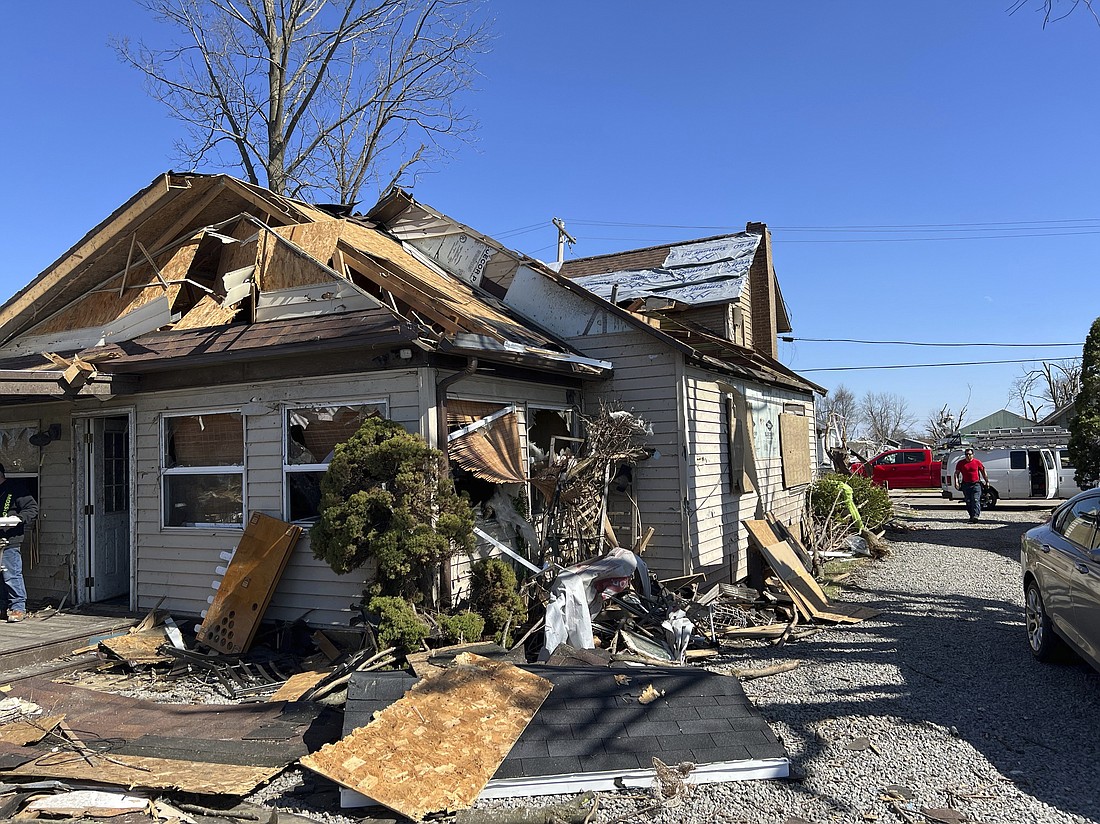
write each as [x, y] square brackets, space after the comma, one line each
[941, 687]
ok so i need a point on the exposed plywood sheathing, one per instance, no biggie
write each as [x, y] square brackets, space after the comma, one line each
[795, 445]
[206, 313]
[318, 240]
[281, 266]
[248, 584]
[100, 308]
[436, 748]
[137, 647]
[428, 291]
[28, 731]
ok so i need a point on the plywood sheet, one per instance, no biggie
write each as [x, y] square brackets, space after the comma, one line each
[298, 685]
[138, 647]
[102, 307]
[206, 313]
[28, 731]
[437, 747]
[805, 591]
[248, 584]
[280, 266]
[152, 773]
[794, 442]
[318, 240]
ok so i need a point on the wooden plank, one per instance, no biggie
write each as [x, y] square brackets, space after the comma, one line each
[805, 591]
[248, 584]
[436, 748]
[298, 685]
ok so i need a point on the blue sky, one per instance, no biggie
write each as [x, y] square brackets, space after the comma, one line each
[964, 134]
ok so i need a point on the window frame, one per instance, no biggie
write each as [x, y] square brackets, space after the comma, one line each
[287, 469]
[167, 472]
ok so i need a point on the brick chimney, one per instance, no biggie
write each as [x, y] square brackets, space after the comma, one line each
[762, 294]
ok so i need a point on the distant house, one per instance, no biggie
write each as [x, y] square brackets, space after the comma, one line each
[198, 354]
[1002, 419]
[1061, 416]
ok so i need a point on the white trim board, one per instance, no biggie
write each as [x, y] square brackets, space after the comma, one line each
[715, 773]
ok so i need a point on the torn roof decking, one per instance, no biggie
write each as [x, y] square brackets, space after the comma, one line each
[708, 350]
[669, 267]
[149, 250]
[592, 732]
[170, 207]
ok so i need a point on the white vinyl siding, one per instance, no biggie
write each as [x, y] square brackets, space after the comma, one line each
[717, 538]
[180, 564]
[645, 383]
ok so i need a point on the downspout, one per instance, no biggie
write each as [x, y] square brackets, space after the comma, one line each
[445, 582]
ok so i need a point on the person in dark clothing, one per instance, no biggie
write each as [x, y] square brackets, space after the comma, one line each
[17, 511]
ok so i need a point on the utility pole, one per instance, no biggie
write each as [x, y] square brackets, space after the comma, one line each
[563, 236]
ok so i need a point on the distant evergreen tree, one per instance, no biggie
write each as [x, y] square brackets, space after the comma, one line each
[1084, 438]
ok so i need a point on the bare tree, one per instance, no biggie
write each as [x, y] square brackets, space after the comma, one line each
[886, 416]
[1055, 10]
[839, 414]
[940, 424]
[314, 94]
[1047, 386]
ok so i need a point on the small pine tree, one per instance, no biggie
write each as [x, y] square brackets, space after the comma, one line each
[386, 498]
[1084, 430]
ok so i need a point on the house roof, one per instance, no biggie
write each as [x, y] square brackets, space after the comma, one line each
[693, 341]
[705, 271]
[1001, 419]
[198, 268]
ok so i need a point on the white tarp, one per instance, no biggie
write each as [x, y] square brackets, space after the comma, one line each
[711, 271]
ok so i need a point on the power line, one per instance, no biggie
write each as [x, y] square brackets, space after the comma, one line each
[914, 365]
[790, 339]
[1022, 224]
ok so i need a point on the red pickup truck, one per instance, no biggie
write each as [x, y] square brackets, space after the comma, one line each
[901, 469]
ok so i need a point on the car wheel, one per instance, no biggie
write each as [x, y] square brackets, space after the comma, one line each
[1040, 634]
[989, 497]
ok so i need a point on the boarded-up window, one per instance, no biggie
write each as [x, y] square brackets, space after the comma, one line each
[794, 442]
[310, 438]
[742, 466]
[203, 470]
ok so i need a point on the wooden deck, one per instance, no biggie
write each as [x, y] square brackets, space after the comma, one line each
[48, 635]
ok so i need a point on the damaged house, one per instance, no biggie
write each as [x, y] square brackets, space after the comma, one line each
[195, 358]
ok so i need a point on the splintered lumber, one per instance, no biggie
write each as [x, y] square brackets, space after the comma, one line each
[248, 584]
[809, 598]
[438, 746]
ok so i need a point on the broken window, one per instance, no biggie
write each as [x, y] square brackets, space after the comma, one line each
[19, 455]
[310, 436]
[203, 469]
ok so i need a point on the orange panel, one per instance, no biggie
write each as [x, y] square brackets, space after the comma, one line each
[248, 584]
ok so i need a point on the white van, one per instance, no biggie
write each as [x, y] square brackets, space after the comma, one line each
[1067, 484]
[1014, 474]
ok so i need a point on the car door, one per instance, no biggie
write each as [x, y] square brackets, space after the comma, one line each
[1085, 586]
[1068, 569]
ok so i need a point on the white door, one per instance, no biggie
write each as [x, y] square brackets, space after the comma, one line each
[106, 507]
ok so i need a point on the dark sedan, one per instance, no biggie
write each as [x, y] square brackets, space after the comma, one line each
[1061, 567]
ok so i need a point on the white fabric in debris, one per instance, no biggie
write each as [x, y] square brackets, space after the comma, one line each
[575, 596]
